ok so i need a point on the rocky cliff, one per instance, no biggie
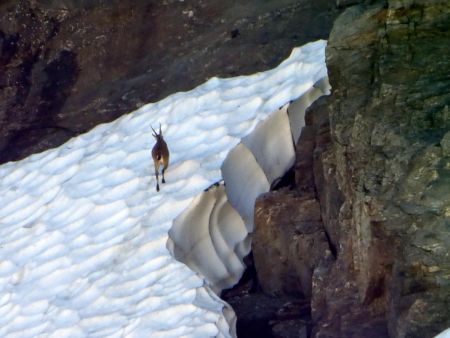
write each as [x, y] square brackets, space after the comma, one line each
[375, 157]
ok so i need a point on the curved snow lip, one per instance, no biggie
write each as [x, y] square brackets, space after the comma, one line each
[444, 334]
[83, 249]
[213, 235]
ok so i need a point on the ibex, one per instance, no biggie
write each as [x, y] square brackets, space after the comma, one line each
[160, 154]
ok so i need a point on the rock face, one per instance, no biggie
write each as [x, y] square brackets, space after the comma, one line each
[293, 242]
[377, 152]
[68, 66]
[389, 117]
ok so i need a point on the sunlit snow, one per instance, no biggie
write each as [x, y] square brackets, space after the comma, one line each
[83, 231]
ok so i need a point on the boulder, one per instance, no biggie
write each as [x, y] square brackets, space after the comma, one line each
[288, 242]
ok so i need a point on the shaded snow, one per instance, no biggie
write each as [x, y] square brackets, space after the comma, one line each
[444, 334]
[83, 231]
[214, 234]
[272, 145]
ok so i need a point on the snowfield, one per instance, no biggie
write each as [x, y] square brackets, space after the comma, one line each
[83, 232]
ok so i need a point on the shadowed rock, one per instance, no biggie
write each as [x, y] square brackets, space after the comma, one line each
[376, 156]
[68, 66]
[388, 120]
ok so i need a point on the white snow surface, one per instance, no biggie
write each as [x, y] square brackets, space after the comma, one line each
[83, 231]
[444, 334]
[220, 221]
[210, 237]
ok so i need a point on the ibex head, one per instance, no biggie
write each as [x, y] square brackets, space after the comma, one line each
[160, 155]
[156, 134]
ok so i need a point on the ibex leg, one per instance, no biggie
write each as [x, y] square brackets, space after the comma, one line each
[157, 177]
[163, 170]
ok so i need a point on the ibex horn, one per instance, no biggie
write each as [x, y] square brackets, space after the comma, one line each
[155, 133]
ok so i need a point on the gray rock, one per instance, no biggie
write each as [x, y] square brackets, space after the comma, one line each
[388, 159]
[445, 144]
[290, 329]
[375, 156]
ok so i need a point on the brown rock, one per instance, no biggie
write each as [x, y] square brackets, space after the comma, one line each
[304, 178]
[67, 66]
[288, 242]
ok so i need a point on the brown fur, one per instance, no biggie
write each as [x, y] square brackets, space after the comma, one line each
[160, 155]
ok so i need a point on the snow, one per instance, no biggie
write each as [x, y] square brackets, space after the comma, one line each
[243, 189]
[444, 334]
[210, 225]
[271, 144]
[220, 221]
[84, 232]
[297, 109]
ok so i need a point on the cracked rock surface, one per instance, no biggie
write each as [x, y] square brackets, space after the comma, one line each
[375, 155]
